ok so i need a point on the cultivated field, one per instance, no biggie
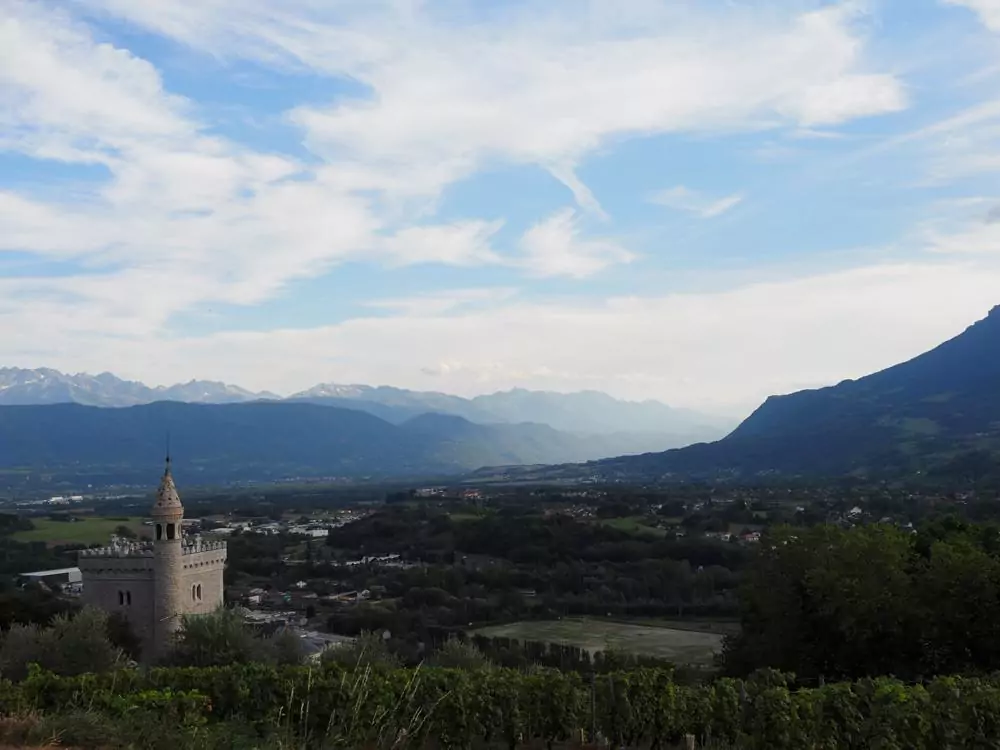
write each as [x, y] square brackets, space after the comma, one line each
[679, 646]
[85, 530]
[633, 525]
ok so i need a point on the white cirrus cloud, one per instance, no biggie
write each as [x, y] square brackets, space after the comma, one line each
[444, 302]
[538, 87]
[555, 247]
[183, 217]
[681, 198]
[987, 10]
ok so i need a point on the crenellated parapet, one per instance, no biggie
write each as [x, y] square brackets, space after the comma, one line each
[118, 552]
[198, 545]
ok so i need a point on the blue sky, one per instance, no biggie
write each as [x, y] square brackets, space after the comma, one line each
[699, 202]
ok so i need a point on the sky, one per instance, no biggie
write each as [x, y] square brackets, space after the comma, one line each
[698, 201]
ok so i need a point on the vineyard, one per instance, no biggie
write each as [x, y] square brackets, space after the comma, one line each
[443, 708]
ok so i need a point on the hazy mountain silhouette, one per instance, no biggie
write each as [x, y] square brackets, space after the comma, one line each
[264, 440]
[937, 414]
[623, 425]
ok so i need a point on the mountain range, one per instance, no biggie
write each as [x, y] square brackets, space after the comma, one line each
[102, 430]
[937, 415]
[256, 441]
[637, 426]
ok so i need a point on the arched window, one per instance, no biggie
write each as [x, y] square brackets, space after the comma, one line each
[128, 598]
[159, 532]
[121, 598]
[194, 592]
[171, 531]
[199, 592]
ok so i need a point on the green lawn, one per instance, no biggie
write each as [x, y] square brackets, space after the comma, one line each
[691, 647]
[85, 530]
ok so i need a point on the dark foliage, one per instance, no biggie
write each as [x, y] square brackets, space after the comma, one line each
[871, 601]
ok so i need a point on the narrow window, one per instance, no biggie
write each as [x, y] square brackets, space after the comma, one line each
[128, 598]
[194, 593]
[171, 531]
[159, 532]
[121, 598]
[199, 592]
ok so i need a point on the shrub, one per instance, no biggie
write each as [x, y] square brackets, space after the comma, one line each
[74, 644]
[367, 650]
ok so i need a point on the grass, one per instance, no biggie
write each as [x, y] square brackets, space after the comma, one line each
[461, 516]
[681, 646]
[721, 627]
[85, 530]
[633, 525]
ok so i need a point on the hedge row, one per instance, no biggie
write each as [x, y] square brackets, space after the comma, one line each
[642, 707]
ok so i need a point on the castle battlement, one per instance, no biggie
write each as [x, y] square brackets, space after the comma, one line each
[120, 549]
[197, 545]
[141, 549]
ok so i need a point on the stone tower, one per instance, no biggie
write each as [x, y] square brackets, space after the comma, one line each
[168, 562]
[154, 584]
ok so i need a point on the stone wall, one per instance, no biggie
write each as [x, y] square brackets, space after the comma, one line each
[203, 567]
[123, 585]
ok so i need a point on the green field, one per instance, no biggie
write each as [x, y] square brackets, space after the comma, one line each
[633, 525]
[685, 646]
[85, 530]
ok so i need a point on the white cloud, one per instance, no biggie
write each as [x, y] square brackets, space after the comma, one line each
[461, 244]
[987, 10]
[681, 198]
[554, 247]
[979, 239]
[737, 346]
[186, 218]
[444, 302]
[538, 87]
[64, 96]
[566, 174]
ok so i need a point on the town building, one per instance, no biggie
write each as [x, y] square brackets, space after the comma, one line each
[55, 577]
[154, 584]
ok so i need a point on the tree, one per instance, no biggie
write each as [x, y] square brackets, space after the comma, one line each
[871, 600]
[223, 637]
[215, 639]
[367, 650]
[458, 655]
[124, 532]
[286, 648]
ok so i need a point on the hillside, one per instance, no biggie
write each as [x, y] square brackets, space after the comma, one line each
[937, 414]
[261, 441]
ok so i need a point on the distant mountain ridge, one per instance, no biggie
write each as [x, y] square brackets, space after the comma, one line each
[937, 414]
[24, 387]
[73, 445]
[636, 426]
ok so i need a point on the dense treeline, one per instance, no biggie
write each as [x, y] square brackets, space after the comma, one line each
[513, 565]
[873, 600]
[335, 707]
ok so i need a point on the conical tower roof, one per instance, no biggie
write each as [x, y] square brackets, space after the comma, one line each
[168, 502]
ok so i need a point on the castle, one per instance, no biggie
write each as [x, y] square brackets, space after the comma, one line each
[153, 584]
